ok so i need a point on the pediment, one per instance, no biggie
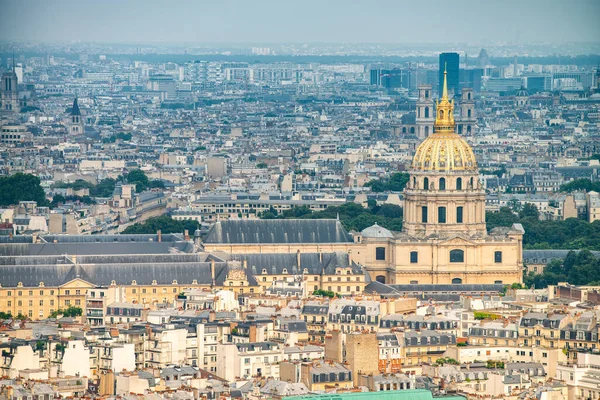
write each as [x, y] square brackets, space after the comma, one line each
[457, 241]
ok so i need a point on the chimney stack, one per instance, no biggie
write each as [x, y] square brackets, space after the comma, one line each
[159, 234]
[212, 273]
[186, 235]
[298, 258]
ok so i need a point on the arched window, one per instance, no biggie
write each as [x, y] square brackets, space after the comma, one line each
[469, 96]
[469, 113]
[441, 215]
[427, 94]
[404, 130]
[456, 281]
[471, 183]
[426, 131]
[419, 112]
[441, 114]
[468, 129]
[380, 278]
[459, 215]
[459, 184]
[426, 112]
[426, 184]
[457, 256]
[442, 183]
[412, 129]
[424, 214]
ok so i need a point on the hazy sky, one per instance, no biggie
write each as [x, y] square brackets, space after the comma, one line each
[300, 21]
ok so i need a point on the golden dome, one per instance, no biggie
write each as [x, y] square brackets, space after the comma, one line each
[445, 150]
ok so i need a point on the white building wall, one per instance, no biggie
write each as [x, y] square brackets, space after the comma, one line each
[75, 361]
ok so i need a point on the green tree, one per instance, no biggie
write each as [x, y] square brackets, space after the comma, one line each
[395, 183]
[138, 178]
[529, 210]
[164, 223]
[581, 184]
[21, 187]
[504, 217]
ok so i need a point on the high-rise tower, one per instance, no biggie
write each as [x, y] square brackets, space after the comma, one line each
[450, 62]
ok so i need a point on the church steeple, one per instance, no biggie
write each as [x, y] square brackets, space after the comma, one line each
[444, 120]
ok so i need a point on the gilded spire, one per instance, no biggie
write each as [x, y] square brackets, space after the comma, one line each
[445, 89]
[444, 119]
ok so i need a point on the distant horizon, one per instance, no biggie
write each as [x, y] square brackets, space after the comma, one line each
[225, 22]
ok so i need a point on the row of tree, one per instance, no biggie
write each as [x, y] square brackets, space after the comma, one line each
[578, 268]
[581, 184]
[106, 187]
[353, 216]
[164, 223]
[572, 233]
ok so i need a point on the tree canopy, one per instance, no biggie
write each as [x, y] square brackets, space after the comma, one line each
[578, 268]
[395, 183]
[572, 233]
[164, 223]
[580, 184]
[21, 187]
[353, 216]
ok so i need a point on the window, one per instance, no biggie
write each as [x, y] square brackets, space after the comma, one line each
[441, 215]
[442, 183]
[424, 214]
[459, 215]
[456, 281]
[459, 184]
[457, 255]
[498, 256]
[414, 257]
[380, 253]
[426, 112]
[426, 183]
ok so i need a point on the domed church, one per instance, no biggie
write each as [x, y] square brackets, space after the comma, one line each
[444, 238]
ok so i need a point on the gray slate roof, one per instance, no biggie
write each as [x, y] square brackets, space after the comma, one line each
[270, 231]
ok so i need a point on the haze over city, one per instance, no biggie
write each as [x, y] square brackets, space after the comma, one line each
[272, 21]
[276, 200]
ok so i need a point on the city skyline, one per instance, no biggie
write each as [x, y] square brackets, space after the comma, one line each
[383, 22]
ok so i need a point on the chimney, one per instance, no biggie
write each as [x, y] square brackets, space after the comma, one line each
[320, 257]
[212, 316]
[298, 258]
[186, 235]
[245, 264]
[10, 235]
[253, 333]
[212, 273]
[350, 257]
[159, 233]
